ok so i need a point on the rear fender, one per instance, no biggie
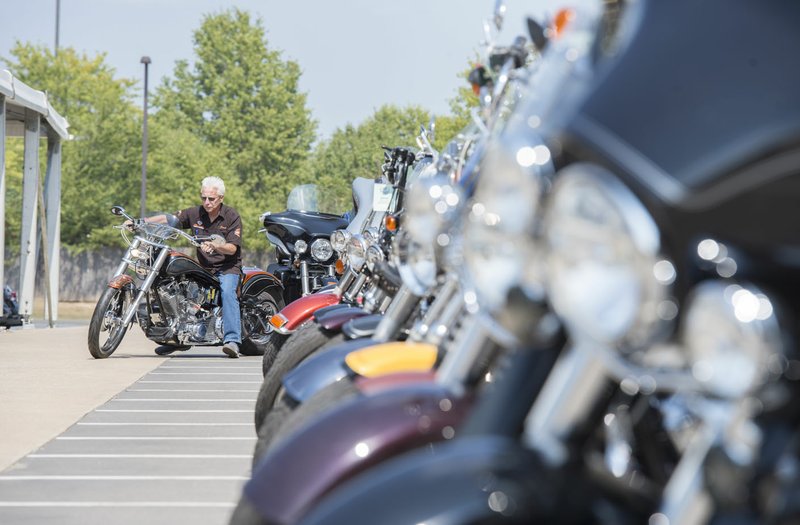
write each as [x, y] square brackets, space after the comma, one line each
[259, 284]
[389, 358]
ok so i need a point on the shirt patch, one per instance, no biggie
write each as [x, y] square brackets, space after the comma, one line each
[238, 232]
[199, 224]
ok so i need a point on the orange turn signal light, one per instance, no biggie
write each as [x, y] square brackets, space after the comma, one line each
[391, 223]
[562, 20]
[278, 320]
[339, 266]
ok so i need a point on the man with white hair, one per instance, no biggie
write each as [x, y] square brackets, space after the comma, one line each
[225, 261]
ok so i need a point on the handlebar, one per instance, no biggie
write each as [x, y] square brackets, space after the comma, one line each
[162, 232]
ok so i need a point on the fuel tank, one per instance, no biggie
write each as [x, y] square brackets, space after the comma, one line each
[179, 264]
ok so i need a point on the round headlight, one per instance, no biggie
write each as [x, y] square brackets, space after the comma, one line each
[321, 250]
[374, 256]
[605, 276]
[431, 208]
[339, 240]
[416, 263]
[356, 252]
[498, 236]
[371, 235]
[732, 337]
[300, 246]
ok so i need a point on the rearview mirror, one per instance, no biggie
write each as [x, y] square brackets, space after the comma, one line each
[117, 210]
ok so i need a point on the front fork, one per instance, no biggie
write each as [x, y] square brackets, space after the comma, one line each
[576, 382]
[304, 278]
[148, 282]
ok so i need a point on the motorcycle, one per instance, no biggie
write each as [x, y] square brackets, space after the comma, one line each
[11, 315]
[301, 237]
[663, 254]
[175, 301]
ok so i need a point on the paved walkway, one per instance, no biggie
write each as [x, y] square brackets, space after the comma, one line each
[135, 438]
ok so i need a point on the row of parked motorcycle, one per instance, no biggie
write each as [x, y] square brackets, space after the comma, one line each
[582, 310]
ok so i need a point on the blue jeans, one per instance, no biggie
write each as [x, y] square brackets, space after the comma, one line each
[231, 316]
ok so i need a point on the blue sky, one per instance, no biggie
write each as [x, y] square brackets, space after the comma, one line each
[355, 55]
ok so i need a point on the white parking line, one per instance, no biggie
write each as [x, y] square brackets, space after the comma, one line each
[165, 504]
[204, 373]
[172, 411]
[204, 382]
[152, 438]
[183, 390]
[141, 456]
[169, 424]
[188, 400]
[123, 478]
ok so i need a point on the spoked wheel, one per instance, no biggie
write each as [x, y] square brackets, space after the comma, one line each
[256, 328]
[106, 329]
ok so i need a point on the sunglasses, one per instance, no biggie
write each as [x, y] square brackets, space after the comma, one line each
[204, 198]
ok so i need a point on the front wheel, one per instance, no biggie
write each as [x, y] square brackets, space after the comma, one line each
[106, 329]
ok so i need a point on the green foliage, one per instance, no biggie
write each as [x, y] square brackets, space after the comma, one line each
[101, 166]
[357, 151]
[242, 100]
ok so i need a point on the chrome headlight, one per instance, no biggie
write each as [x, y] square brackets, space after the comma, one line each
[300, 246]
[415, 263]
[356, 252]
[371, 235]
[321, 250]
[733, 338]
[431, 208]
[498, 236]
[605, 276]
[339, 239]
[374, 256]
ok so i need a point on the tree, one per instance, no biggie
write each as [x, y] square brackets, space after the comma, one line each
[243, 99]
[357, 151]
[101, 165]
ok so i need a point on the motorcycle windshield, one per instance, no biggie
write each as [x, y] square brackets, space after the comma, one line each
[303, 198]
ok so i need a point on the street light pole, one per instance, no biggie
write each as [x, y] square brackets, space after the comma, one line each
[146, 61]
[58, 22]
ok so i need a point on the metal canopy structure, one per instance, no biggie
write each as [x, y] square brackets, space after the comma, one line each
[26, 112]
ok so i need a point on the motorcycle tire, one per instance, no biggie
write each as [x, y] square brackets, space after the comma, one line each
[111, 303]
[288, 417]
[271, 349]
[245, 513]
[255, 329]
[297, 348]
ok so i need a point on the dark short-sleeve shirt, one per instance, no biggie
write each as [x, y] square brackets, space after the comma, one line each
[228, 224]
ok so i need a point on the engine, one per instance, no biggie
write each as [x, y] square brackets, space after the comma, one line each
[192, 311]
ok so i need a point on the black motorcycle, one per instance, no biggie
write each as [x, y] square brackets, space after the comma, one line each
[670, 255]
[11, 315]
[175, 300]
[301, 237]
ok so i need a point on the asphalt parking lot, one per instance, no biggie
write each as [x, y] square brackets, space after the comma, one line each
[135, 438]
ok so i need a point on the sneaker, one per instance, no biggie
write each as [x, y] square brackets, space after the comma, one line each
[231, 349]
[168, 349]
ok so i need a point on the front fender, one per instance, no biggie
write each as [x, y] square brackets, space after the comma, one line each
[389, 358]
[300, 310]
[120, 281]
[333, 319]
[320, 370]
[484, 479]
[347, 440]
